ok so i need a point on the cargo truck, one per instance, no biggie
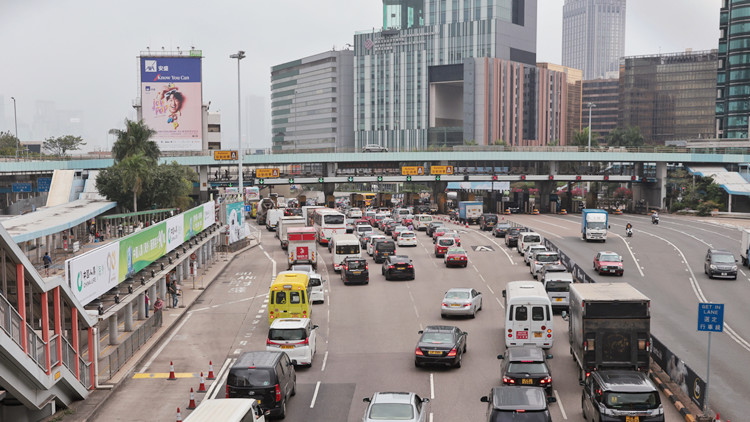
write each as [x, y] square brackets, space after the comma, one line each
[470, 211]
[609, 327]
[284, 224]
[744, 246]
[594, 224]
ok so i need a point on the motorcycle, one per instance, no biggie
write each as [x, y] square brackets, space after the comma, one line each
[629, 232]
[654, 219]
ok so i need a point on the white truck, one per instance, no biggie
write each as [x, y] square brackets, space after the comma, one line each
[744, 245]
[594, 224]
[272, 218]
[283, 227]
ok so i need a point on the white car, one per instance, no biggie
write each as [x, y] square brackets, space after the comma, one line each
[374, 148]
[540, 259]
[371, 242]
[528, 252]
[317, 292]
[295, 336]
[461, 301]
[355, 213]
[406, 238]
[362, 229]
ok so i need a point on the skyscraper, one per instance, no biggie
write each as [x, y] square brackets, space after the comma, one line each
[733, 75]
[593, 36]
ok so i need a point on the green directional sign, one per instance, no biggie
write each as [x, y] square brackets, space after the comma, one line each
[261, 181]
[408, 178]
[320, 180]
[437, 178]
[350, 179]
[291, 180]
[380, 178]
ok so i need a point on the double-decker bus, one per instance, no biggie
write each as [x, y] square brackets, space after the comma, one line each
[327, 223]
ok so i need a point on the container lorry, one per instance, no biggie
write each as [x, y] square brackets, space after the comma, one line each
[302, 248]
[609, 327]
[594, 224]
[284, 224]
[744, 246]
[470, 211]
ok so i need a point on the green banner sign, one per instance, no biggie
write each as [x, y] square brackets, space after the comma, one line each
[142, 248]
[193, 223]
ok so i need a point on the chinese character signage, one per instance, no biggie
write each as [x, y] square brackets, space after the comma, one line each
[711, 317]
[94, 273]
[171, 98]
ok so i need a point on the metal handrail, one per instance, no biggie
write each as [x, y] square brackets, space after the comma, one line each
[54, 359]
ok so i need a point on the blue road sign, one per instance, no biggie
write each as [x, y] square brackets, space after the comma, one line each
[711, 317]
[22, 187]
[248, 208]
[43, 184]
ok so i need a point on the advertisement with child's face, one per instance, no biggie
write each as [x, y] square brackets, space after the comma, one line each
[171, 97]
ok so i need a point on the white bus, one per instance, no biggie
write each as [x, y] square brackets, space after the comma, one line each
[307, 213]
[328, 223]
[344, 246]
[528, 315]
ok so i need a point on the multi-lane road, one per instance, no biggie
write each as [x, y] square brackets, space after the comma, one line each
[367, 333]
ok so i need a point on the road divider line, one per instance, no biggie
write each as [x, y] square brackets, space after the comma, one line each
[432, 387]
[480, 276]
[216, 384]
[325, 360]
[166, 342]
[562, 409]
[630, 250]
[475, 268]
[272, 261]
[498, 301]
[315, 395]
[502, 249]
[490, 288]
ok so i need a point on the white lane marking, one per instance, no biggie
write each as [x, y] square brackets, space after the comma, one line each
[480, 276]
[475, 268]
[502, 249]
[632, 255]
[202, 309]
[325, 360]
[430, 416]
[559, 403]
[315, 395]
[491, 291]
[216, 386]
[743, 273]
[432, 387]
[243, 343]
[272, 261]
[237, 351]
[498, 301]
[169, 339]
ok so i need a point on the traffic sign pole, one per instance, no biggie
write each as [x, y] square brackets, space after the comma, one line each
[710, 318]
[708, 375]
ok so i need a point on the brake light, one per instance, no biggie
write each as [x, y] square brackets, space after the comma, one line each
[445, 304]
[278, 393]
[418, 352]
[410, 266]
[452, 352]
[544, 327]
[463, 258]
[227, 394]
[508, 380]
[367, 266]
[391, 267]
[305, 342]
[510, 333]
[466, 305]
[546, 380]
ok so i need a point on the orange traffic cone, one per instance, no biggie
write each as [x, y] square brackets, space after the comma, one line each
[210, 371]
[202, 386]
[179, 415]
[191, 405]
[171, 372]
[467, 225]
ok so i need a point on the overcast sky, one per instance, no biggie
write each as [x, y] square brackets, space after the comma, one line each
[81, 54]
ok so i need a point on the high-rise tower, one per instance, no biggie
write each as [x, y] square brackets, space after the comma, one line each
[593, 36]
[733, 75]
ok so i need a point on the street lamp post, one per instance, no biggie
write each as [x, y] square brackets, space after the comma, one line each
[15, 123]
[239, 56]
[590, 106]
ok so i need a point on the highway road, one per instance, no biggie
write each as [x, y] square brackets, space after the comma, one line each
[367, 334]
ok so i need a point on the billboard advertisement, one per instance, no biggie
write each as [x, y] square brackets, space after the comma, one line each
[140, 249]
[171, 98]
[175, 232]
[209, 214]
[234, 220]
[94, 273]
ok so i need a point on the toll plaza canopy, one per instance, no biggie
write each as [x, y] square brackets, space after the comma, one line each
[48, 221]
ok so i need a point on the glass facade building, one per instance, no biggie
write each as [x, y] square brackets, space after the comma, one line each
[733, 75]
[593, 36]
[311, 103]
[669, 96]
[392, 65]
[605, 94]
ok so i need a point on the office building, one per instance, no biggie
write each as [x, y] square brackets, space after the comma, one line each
[604, 94]
[574, 79]
[408, 75]
[312, 104]
[593, 36]
[733, 76]
[669, 96]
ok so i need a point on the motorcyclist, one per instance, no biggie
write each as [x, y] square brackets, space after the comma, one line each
[655, 216]
[629, 229]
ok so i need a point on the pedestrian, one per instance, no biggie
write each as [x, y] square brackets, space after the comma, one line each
[47, 261]
[173, 292]
[145, 296]
[158, 305]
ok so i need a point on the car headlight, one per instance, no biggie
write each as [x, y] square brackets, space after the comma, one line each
[712, 266]
[734, 268]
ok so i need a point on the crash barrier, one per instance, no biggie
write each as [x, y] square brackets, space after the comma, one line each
[115, 359]
[679, 372]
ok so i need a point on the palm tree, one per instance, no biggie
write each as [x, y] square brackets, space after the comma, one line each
[136, 138]
[136, 172]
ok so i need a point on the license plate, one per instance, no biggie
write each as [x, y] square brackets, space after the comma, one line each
[285, 346]
[558, 299]
[527, 381]
[632, 418]
[611, 271]
[434, 352]
[537, 334]
[400, 268]
[455, 304]
[522, 335]
[356, 272]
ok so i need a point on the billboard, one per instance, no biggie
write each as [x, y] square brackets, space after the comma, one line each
[171, 99]
[94, 273]
[140, 249]
[234, 213]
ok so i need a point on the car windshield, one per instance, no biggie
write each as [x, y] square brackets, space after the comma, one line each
[405, 235]
[558, 286]
[363, 229]
[347, 249]
[386, 246]
[596, 225]
[456, 251]
[632, 401]
[532, 238]
[446, 242]
[351, 221]
[399, 228]
[610, 258]
[286, 334]
[391, 411]
[548, 258]
[490, 218]
[437, 338]
[723, 259]
[249, 377]
[315, 282]
[333, 219]
[457, 295]
[527, 368]
[356, 265]
[304, 267]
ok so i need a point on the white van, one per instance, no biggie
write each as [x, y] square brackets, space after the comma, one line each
[528, 315]
[229, 410]
[272, 218]
[344, 246]
[525, 239]
[420, 221]
[317, 292]
[400, 213]
[294, 336]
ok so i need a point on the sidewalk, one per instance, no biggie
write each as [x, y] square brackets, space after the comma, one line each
[83, 410]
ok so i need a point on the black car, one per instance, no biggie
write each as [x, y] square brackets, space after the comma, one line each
[621, 395]
[389, 227]
[500, 229]
[517, 404]
[383, 248]
[440, 344]
[292, 211]
[355, 270]
[487, 221]
[511, 237]
[267, 376]
[398, 266]
[526, 365]
[720, 263]
[432, 226]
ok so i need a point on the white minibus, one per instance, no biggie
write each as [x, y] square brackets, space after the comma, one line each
[528, 315]
[228, 410]
[421, 221]
[344, 246]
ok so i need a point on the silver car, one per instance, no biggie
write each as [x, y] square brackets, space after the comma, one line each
[371, 242]
[396, 407]
[374, 148]
[461, 301]
[528, 252]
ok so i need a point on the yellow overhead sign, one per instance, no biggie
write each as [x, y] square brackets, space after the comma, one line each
[441, 170]
[266, 173]
[225, 155]
[412, 171]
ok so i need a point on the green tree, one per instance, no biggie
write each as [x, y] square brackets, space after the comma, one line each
[581, 138]
[136, 173]
[136, 138]
[8, 143]
[629, 137]
[62, 144]
[170, 187]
